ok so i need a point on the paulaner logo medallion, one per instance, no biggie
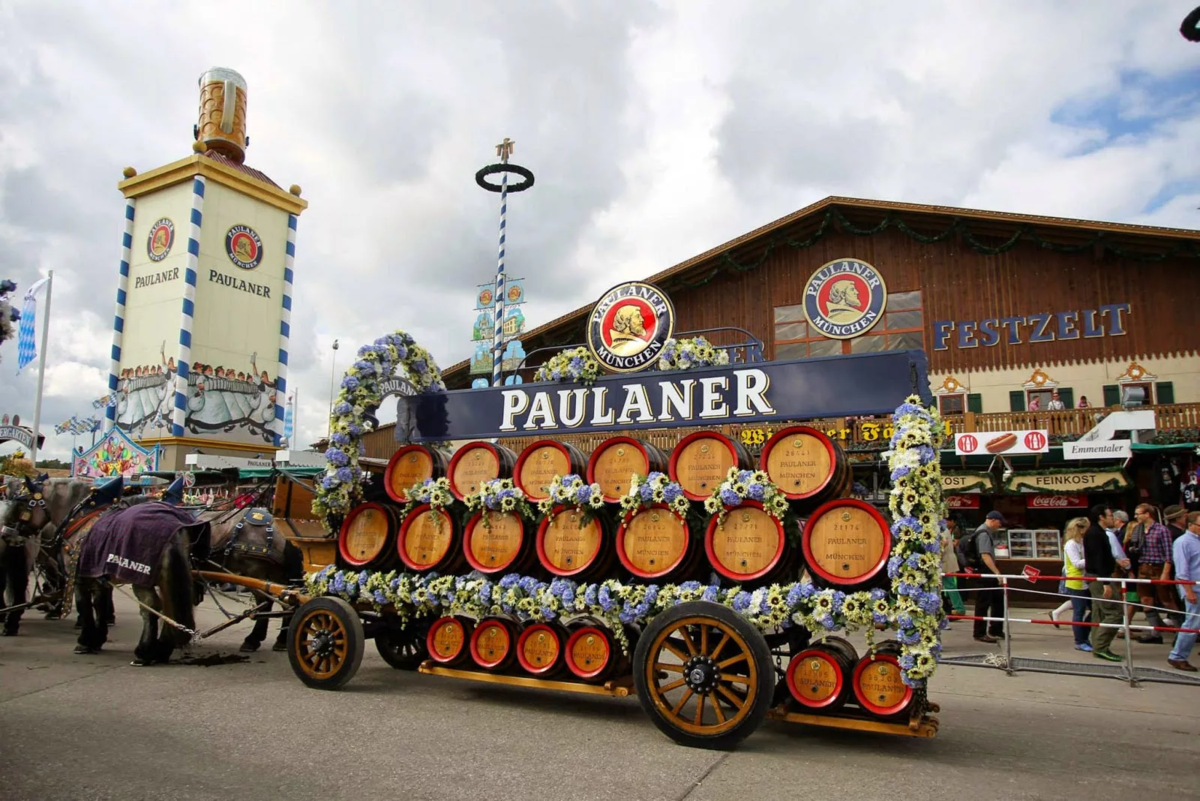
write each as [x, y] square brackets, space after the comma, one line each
[244, 247]
[845, 298]
[629, 326]
[162, 236]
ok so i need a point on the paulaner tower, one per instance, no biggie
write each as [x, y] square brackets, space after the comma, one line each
[204, 297]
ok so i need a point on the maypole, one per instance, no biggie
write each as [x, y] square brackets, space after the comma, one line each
[503, 150]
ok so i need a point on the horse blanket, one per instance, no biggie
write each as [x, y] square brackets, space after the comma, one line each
[127, 545]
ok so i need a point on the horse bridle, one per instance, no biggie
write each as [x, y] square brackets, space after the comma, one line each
[32, 499]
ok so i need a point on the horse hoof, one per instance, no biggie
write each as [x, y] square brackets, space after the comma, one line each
[249, 647]
[83, 650]
[279, 647]
[8, 633]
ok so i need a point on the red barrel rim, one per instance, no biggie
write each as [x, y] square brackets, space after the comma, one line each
[815, 653]
[521, 459]
[867, 703]
[687, 542]
[345, 528]
[433, 630]
[574, 668]
[525, 663]
[591, 465]
[471, 560]
[391, 466]
[843, 502]
[683, 443]
[712, 556]
[541, 545]
[483, 626]
[792, 431]
[407, 524]
[457, 457]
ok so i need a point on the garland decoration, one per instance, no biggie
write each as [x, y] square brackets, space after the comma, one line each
[655, 488]
[433, 491]
[919, 514]
[571, 490]
[740, 486]
[499, 495]
[684, 354]
[340, 487]
[574, 364]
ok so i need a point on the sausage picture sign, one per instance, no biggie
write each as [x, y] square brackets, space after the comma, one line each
[995, 443]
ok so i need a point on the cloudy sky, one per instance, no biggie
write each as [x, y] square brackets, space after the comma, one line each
[656, 130]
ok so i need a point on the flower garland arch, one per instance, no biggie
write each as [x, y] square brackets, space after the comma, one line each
[339, 488]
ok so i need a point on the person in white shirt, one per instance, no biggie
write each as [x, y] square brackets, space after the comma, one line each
[1056, 404]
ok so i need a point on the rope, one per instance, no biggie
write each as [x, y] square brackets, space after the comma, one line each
[195, 635]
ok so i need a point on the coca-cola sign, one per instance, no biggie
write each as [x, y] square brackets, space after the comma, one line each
[962, 501]
[1057, 502]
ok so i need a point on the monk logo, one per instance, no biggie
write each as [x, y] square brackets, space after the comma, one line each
[128, 564]
[845, 298]
[629, 326]
[243, 246]
[162, 236]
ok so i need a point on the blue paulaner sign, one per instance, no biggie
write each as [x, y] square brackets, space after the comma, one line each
[840, 386]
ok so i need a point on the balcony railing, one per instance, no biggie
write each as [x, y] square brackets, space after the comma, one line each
[1070, 422]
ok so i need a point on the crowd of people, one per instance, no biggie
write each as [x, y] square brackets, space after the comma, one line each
[1104, 544]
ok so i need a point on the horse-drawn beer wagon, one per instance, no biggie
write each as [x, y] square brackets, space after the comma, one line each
[708, 582]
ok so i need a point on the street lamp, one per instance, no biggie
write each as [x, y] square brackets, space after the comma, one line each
[332, 374]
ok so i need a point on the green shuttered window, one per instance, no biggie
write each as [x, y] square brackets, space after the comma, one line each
[1016, 400]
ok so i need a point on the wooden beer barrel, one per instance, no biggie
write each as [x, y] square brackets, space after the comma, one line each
[819, 677]
[592, 654]
[540, 649]
[617, 460]
[878, 684]
[700, 462]
[368, 535]
[541, 461]
[448, 640]
[749, 545]
[846, 544]
[492, 644]
[476, 463]
[806, 465]
[568, 547]
[428, 541]
[655, 543]
[411, 465]
[504, 545]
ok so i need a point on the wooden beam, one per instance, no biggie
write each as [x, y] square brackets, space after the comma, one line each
[617, 688]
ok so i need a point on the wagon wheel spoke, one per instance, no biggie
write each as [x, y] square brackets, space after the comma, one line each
[720, 646]
[673, 685]
[688, 693]
[668, 666]
[703, 639]
[691, 647]
[717, 708]
[675, 649]
[736, 679]
[733, 660]
[699, 718]
[732, 697]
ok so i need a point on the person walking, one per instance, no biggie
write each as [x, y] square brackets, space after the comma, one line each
[1154, 562]
[1073, 564]
[1186, 554]
[1099, 562]
[951, 598]
[980, 550]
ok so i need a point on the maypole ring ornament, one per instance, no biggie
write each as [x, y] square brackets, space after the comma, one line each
[492, 169]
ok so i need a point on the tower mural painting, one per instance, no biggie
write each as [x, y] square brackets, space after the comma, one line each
[202, 323]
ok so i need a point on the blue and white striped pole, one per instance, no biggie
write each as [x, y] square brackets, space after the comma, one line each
[114, 367]
[285, 334]
[498, 340]
[184, 362]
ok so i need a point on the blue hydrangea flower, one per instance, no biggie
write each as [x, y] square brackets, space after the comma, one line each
[729, 497]
[756, 492]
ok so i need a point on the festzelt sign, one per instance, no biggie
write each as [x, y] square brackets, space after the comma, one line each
[844, 386]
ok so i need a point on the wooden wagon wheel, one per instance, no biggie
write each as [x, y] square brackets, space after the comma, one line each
[704, 675]
[404, 648]
[325, 643]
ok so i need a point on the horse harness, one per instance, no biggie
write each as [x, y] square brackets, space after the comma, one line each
[13, 536]
[254, 518]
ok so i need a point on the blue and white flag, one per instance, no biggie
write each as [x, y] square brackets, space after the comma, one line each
[289, 420]
[26, 334]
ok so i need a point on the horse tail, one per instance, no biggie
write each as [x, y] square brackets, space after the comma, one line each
[175, 587]
[293, 562]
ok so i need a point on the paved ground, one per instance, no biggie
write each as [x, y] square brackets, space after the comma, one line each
[94, 727]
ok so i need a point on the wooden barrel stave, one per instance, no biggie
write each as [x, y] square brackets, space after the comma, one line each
[618, 459]
[541, 461]
[846, 543]
[448, 641]
[493, 644]
[878, 686]
[425, 545]
[658, 549]
[476, 463]
[806, 465]
[412, 464]
[507, 546]
[570, 549]
[820, 677]
[700, 462]
[367, 537]
[540, 649]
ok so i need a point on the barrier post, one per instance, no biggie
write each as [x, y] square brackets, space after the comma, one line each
[1008, 668]
[1125, 619]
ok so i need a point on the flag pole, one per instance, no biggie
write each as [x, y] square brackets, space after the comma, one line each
[37, 406]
